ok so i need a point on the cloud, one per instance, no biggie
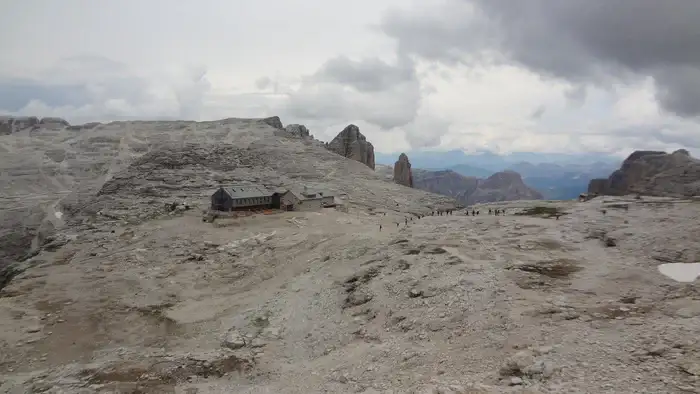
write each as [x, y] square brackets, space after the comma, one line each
[87, 88]
[538, 112]
[263, 83]
[576, 96]
[426, 131]
[372, 90]
[369, 75]
[583, 42]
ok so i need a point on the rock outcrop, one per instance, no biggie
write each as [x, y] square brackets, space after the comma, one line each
[274, 121]
[54, 122]
[298, 130]
[402, 171]
[653, 173]
[501, 186]
[10, 124]
[353, 145]
[13, 124]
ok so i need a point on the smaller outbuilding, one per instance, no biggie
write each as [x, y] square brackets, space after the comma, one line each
[285, 201]
[327, 199]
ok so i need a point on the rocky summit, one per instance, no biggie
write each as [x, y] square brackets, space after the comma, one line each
[119, 279]
[653, 173]
[352, 144]
[402, 171]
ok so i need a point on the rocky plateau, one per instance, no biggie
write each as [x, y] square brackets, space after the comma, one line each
[107, 290]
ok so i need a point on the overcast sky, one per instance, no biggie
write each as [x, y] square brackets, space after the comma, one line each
[527, 75]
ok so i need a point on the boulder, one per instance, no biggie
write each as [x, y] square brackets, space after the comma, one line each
[352, 144]
[402, 171]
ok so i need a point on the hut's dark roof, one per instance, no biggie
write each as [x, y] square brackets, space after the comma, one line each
[247, 191]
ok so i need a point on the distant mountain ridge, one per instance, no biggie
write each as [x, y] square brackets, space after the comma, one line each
[556, 176]
[501, 186]
[493, 162]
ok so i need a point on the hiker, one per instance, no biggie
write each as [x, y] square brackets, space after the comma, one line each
[380, 227]
[489, 211]
[397, 224]
[406, 220]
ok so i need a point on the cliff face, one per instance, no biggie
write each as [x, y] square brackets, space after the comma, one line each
[402, 171]
[14, 124]
[501, 186]
[653, 173]
[353, 145]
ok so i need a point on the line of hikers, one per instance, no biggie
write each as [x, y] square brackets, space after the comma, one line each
[440, 212]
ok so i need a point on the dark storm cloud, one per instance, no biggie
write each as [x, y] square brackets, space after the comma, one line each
[582, 41]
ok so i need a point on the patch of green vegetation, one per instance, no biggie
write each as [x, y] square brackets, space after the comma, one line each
[547, 212]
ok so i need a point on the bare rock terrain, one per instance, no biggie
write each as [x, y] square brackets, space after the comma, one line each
[126, 296]
[54, 176]
[402, 171]
[352, 144]
[653, 173]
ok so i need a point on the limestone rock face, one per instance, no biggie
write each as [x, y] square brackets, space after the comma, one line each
[402, 171]
[274, 121]
[298, 130]
[353, 145]
[54, 122]
[13, 124]
[653, 173]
